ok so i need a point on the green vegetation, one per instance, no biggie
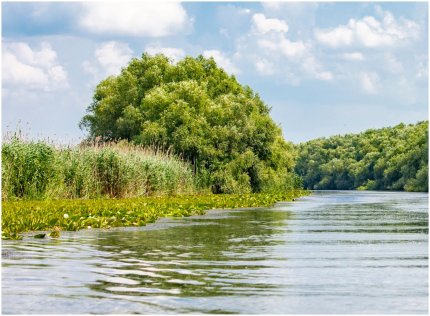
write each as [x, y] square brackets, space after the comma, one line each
[38, 170]
[394, 158]
[210, 134]
[24, 216]
[195, 109]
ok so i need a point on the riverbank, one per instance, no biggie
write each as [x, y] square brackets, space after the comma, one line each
[56, 215]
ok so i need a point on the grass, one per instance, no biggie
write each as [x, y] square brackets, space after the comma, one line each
[37, 170]
[24, 216]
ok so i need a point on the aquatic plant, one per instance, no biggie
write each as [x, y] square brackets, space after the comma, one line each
[24, 216]
[55, 232]
[38, 170]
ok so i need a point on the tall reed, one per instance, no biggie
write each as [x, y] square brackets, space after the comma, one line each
[39, 170]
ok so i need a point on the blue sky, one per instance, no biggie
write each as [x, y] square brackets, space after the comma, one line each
[324, 68]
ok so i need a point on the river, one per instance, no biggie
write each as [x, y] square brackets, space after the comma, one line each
[343, 252]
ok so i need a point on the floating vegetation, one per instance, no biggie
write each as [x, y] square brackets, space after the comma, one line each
[72, 215]
[55, 233]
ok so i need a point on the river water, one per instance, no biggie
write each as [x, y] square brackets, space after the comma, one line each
[343, 252]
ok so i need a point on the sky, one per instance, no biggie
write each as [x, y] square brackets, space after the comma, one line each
[324, 68]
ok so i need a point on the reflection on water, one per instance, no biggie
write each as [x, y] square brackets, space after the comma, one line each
[332, 252]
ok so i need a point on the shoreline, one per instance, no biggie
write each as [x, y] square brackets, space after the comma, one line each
[22, 217]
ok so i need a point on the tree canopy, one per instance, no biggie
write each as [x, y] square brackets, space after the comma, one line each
[197, 110]
[393, 158]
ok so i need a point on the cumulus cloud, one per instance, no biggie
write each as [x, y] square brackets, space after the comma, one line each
[340, 36]
[276, 40]
[300, 16]
[284, 46]
[112, 56]
[222, 60]
[175, 54]
[264, 25]
[35, 69]
[314, 68]
[265, 67]
[272, 5]
[109, 58]
[369, 32]
[273, 52]
[151, 19]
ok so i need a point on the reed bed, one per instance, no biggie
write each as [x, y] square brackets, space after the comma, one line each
[39, 170]
[25, 216]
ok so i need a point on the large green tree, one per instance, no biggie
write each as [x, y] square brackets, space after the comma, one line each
[197, 110]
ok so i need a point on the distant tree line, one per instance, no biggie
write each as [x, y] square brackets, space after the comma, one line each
[393, 158]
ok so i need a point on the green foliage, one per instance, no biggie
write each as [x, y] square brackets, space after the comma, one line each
[24, 216]
[195, 109]
[37, 170]
[394, 158]
[27, 168]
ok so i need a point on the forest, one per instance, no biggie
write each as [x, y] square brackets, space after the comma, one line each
[391, 158]
[224, 131]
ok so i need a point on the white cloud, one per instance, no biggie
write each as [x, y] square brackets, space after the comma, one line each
[265, 67]
[369, 32]
[369, 82]
[340, 36]
[222, 61]
[272, 5]
[272, 53]
[175, 54]
[35, 69]
[313, 67]
[283, 45]
[152, 19]
[16, 72]
[300, 16]
[355, 56]
[110, 57]
[264, 25]
[292, 49]
[294, 57]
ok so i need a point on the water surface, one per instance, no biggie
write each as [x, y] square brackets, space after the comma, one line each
[332, 252]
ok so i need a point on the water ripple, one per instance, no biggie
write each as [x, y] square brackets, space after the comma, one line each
[332, 252]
